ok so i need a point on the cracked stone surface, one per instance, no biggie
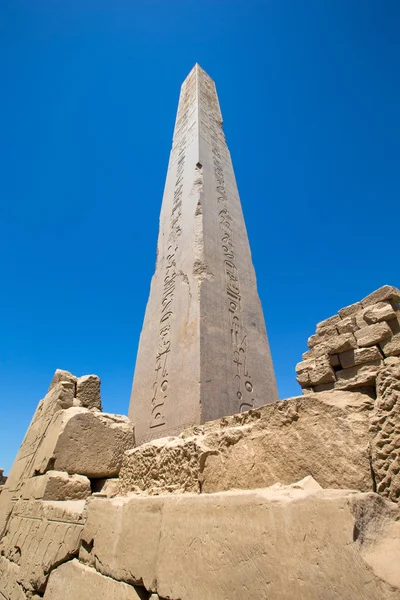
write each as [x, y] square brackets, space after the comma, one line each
[203, 350]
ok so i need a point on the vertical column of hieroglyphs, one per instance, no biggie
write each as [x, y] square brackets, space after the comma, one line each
[154, 404]
[245, 387]
[177, 161]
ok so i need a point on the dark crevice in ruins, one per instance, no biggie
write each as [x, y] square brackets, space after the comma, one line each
[96, 485]
[87, 546]
[373, 477]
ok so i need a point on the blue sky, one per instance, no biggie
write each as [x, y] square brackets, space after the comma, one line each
[310, 96]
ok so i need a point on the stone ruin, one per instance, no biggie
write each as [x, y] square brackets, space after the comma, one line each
[226, 492]
[294, 499]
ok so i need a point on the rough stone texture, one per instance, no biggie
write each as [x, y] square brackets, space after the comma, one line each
[39, 536]
[323, 434]
[385, 430]
[204, 321]
[76, 581]
[391, 346]
[89, 443]
[359, 356]
[372, 334]
[88, 392]
[358, 377]
[328, 544]
[348, 348]
[57, 485]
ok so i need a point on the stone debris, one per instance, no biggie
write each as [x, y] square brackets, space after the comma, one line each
[325, 434]
[57, 485]
[348, 349]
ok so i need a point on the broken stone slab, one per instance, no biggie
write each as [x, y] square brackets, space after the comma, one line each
[75, 580]
[169, 542]
[39, 536]
[57, 485]
[385, 430]
[382, 311]
[386, 292]
[88, 392]
[61, 376]
[391, 346]
[373, 334]
[358, 377]
[85, 442]
[10, 589]
[325, 434]
[359, 356]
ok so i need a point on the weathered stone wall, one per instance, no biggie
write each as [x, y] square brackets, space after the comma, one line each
[348, 349]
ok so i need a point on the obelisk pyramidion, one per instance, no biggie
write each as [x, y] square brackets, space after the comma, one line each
[203, 351]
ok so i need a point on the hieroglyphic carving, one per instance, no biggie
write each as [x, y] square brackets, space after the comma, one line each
[244, 385]
[161, 382]
[211, 126]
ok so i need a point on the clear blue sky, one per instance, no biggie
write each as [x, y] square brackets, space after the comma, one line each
[310, 95]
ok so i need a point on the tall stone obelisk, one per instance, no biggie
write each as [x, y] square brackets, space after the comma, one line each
[203, 351]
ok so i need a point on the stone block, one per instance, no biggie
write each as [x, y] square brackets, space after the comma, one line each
[373, 334]
[359, 376]
[57, 485]
[347, 325]
[322, 372]
[76, 581]
[386, 292]
[324, 387]
[329, 324]
[334, 360]
[170, 542]
[85, 442]
[382, 311]
[303, 379]
[340, 343]
[88, 391]
[61, 376]
[350, 310]
[391, 346]
[305, 365]
[322, 433]
[39, 536]
[359, 356]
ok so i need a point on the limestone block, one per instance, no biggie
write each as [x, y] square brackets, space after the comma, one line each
[385, 430]
[322, 372]
[359, 356]
[340, 343]
[85, 442]
[373, 334]
[391, 346]
[322, 335]
[88, 391]
[386, 292]
[347, 325]
[324, 434]
[303, 379]
[74, 580]
[324, 387]
[350, 310]
[359, 376]
[39, 536]
[305, 365]
[381, 311]
[327, 544]
[328, 323]
[62, 376]
[57, 485]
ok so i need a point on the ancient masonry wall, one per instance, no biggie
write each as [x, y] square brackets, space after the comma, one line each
[348, 349]
[298, 498]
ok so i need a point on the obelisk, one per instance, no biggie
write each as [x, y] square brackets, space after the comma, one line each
[203, 351]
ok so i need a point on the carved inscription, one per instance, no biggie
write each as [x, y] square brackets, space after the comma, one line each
[211, 119]
[161, 380]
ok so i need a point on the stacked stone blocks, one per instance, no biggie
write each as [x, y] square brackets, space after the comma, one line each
[348, 349]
